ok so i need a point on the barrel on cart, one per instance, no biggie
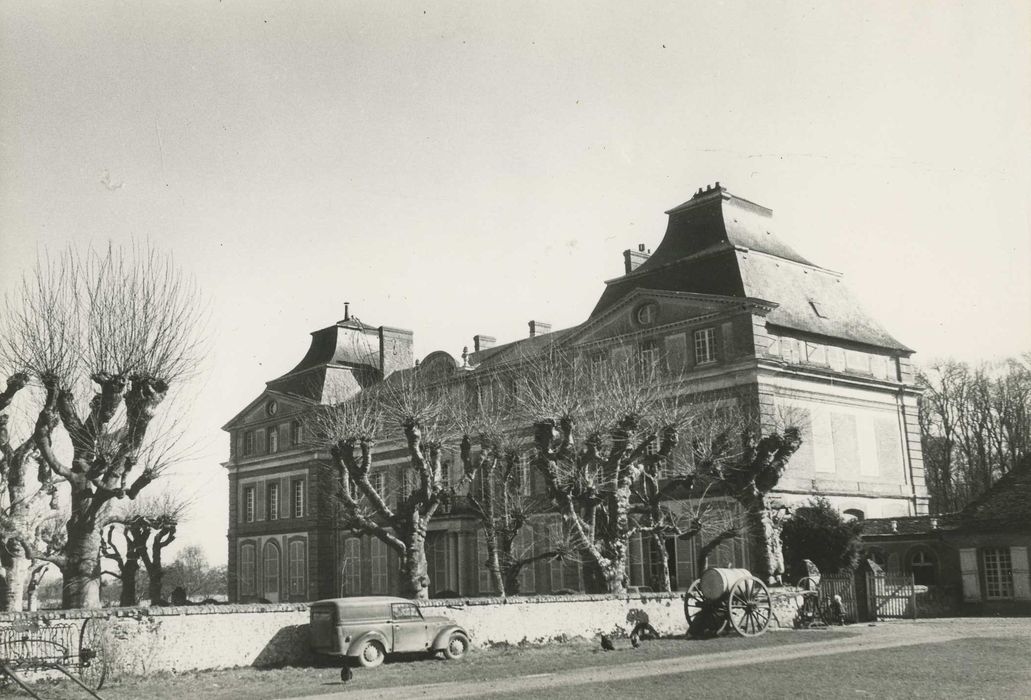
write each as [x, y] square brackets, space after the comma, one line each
[727, 597]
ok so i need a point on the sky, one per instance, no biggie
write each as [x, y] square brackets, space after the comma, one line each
[462, 168]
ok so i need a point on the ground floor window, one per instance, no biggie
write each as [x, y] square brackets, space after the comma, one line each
[298, 564]
[998, 573]
[271, 557]
[247, 570]
[351, 570]
[924, 566]
[378, 563]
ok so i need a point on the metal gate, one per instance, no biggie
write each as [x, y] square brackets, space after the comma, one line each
[842, 585]
[891, 596]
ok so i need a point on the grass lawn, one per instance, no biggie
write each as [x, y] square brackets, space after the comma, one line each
[967, 668]
[484, 664]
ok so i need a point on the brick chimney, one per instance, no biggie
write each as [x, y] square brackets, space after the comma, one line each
[482, 342]
[539, 328]
[632, 259]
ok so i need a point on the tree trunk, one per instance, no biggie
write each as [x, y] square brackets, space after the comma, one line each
[415, 579]
[129, 572]
[17, 575]
[613, 573]
[493, 565]
[155, 584]
[765, 532]
[661, 580]
[81, 570]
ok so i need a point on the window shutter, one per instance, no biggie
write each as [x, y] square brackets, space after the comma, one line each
[685, 563]
[729, 351]
[1021, 574]
[968, 567]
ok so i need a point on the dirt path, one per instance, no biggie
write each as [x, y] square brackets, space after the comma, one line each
[881, 636]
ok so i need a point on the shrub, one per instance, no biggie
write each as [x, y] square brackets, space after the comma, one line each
[817, 531]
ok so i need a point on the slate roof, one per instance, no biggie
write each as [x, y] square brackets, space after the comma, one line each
[717, 243]
[1005, 507]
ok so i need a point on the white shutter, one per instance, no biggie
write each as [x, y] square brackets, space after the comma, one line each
[968, 567]
[1021, 574]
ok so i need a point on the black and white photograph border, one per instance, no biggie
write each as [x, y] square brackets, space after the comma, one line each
[451, 349]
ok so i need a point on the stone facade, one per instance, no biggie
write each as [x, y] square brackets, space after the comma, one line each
[723, 307]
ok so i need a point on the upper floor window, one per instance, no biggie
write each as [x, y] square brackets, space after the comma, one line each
[998, 573]
[248, 504]
[525, 480]
[705, 346]
[295, 433]
[273, 501]
[298, 498]
[649, 355]
[379, 483]
[248, 443]
[273, 439]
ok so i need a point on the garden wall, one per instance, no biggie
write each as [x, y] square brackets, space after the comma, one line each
[144, 640]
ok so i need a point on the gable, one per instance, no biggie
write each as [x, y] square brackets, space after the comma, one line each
[259, 410]
[645, 309]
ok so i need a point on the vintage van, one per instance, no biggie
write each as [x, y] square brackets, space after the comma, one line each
[368, 628]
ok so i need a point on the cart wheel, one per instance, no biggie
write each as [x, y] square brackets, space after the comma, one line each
[809, 583]
[749, 607]
[93, 661]
[705, 618]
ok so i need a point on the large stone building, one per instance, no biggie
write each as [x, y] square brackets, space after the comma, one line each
[723, 304]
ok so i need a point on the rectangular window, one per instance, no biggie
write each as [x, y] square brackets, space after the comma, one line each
[379, 483]
[351, 572]
[248, 443]
[445, 474]
[273, 439]
[248, 504]
[998, 573]
[705, 346]
[649, 355]
[297, 566]
[295, 433]
[378, 563]
[525, 478]
[273, 501]
[298, 498]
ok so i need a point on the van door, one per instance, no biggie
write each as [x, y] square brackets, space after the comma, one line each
[410, 630]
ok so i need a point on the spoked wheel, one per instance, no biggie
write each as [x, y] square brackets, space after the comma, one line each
[93, 661]
[705, 618]
[749, 607]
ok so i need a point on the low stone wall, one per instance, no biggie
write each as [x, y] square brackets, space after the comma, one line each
[144, 640]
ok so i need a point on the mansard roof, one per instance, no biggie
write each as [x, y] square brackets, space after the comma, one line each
[717, 243]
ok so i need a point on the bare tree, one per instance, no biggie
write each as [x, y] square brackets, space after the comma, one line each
[411, 405]
[28, 495]
[975, 424]
[147, 526]
[121, 327]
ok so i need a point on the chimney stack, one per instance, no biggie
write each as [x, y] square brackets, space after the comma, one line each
[539, 328]
[482, 342]
[632, 259]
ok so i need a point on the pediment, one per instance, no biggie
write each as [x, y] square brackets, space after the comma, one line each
[645, 309]
[268, 406]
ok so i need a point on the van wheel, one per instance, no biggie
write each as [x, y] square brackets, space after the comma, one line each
[456, 647]
[371, 654]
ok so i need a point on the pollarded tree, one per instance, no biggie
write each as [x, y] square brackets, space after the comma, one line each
[28, 495]
[597, 428]
[399, 517]
[147, 526]
[119, 326]
[747, 467]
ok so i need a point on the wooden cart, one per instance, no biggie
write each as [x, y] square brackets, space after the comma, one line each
[727, 597]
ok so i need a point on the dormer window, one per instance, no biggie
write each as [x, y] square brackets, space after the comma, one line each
[248, 443]
[649, 355]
